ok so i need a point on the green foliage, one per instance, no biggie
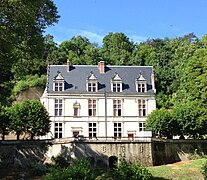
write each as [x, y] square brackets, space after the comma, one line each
[29, 81]
[131, 171]
[204, 170]
[4, 121]
[80, 50]
[21, 32]
[117, 49]
[191, 117]
[79, 169]
[29, 117]
[162, 123]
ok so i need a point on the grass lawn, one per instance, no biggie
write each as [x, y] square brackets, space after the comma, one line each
[181, 170]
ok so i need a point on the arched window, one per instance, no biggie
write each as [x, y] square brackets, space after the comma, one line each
[76, 107]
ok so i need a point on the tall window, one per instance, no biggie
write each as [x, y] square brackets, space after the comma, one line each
[58, 86]
[58, 107]
[117, 107]
[92, 86]
[92, 107]
[141, 126]
[141, 87]
[142, 107]
[58, 130]
[117, 130]
[116, 87]
[76, 108]
[92, 130]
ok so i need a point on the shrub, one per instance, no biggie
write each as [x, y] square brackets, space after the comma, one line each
[80, 169]
[204, 169]
[131, 171]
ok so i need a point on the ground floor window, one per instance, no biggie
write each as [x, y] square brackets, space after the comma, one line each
[117, 130]
[58, 130]
[141, 126]
[92, 130]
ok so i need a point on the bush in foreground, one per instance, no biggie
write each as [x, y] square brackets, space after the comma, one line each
[204, 169]
[131, 171]
[79, 169]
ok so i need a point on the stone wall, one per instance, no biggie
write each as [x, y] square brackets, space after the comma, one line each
[170, 151]
[101, 153]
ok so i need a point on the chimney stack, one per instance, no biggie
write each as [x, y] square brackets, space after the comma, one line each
[153, 80]
[68, 65]
[101, 67]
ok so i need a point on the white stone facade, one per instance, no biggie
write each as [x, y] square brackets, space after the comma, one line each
[98, 115]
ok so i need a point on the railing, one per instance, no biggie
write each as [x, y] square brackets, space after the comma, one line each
[101, 139]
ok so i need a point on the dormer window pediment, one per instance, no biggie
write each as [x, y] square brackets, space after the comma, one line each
[116, 83]
[59, 76]
[58, 82]
[141, 83]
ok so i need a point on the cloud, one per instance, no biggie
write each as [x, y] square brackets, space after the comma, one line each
[136, 38]
[62, 34]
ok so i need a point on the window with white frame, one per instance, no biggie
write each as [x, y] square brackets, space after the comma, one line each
[76, 108]
[117, 130]
[58, 107]
[141, 87]
[116, 86]
[141, 126]
[142, 107]
[58, 130]
[92, 130]
[58, 86]
[117, 107]
[92, 107]
[92, 86]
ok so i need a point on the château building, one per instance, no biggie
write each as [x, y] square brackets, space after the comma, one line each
[99, 101]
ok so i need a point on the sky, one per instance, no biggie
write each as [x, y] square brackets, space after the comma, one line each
[139, 20]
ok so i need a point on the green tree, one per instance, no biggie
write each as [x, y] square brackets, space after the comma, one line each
[80, 50]
[4, 121]
[117, 49]
[162, 123]
[22, 31]
[30, 117]
[191, 117]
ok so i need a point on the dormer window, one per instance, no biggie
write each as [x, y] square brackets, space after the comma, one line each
[58, 82]
[116, 83]
[141, 84]
[92, 83]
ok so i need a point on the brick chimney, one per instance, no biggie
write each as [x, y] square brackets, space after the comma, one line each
[68, 65]
[101, 67]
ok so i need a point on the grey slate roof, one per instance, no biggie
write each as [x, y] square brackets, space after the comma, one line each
[76, 78]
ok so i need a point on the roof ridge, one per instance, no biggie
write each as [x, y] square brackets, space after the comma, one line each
[97, 65]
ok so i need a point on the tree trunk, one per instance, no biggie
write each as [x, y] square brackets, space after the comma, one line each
[18, 136]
